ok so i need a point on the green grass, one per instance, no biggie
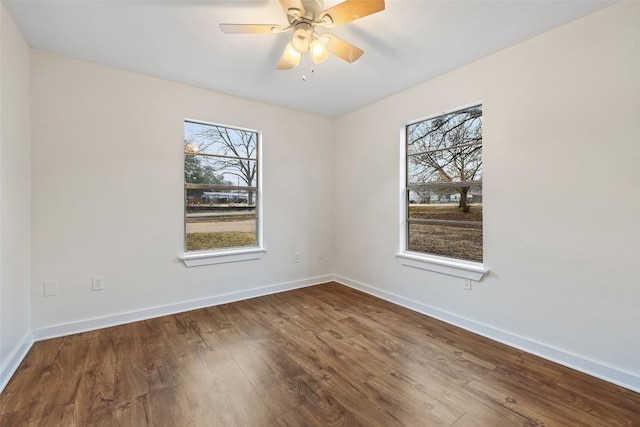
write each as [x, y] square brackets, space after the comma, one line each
[219, 240]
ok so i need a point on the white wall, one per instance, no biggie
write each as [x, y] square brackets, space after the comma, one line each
[15, 229]
[108, 191]
[561, 191]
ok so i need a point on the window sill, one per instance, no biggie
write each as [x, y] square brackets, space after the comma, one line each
[452, 267]
[195, 259]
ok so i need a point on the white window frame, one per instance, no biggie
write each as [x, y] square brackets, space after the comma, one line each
[227, 255]
[440, 264]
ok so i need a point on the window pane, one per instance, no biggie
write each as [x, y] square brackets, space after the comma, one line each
[221, 187]
[455, 164]
[220, 219]
[447, 130]
[453, 241]
[219, 140]
[217, 200]
[445, 204]
[220, 171]
[444, 185]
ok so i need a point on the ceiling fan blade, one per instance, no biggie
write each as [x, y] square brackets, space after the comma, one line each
[293, 7]
[350, 10]
[249, 28]
[342, 49]
[284, 65]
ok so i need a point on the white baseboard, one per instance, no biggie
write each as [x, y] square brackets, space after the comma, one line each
[573, 361]
[149, 313]
[15, 358]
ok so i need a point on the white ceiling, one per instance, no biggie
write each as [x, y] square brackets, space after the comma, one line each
[410, 42]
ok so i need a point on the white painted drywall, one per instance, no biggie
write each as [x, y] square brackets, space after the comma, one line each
[561, 189]
[108, 191]
[15, 187]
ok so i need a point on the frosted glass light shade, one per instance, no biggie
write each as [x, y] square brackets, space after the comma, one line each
[291, 55]
[319, 51]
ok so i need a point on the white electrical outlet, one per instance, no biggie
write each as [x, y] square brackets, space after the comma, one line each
[467, 284]
[296, 257]
[97, 283]
[50, 288]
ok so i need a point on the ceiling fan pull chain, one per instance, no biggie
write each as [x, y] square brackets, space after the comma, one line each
[304, 67]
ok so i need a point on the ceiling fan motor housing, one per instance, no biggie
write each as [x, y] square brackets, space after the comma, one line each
[302, 36]
[312, 10]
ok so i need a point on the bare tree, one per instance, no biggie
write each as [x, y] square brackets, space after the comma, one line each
[447, 150]
[234, 152]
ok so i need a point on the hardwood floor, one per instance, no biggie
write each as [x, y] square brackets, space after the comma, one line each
[320, 356]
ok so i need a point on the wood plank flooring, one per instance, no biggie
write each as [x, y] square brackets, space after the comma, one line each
[320, 356]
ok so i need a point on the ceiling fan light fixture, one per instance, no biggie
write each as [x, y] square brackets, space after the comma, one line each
[318, 50]
[291, 55]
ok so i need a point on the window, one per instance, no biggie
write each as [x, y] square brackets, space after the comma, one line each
[221, 188]
[443, 196]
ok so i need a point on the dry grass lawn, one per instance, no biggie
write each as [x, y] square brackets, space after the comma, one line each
[454, 241]
[218, 240]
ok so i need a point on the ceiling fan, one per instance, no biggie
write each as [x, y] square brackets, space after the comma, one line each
[304, 16]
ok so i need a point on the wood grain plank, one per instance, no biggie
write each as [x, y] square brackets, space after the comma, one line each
[320, 405]
[27, 384]
[168, 407]
[297, 418]
[132, 379]
[60, 415]
[319, 356]
[368, 409]
[59, 381]
[531, 406]
[237, 392]
[134, 412]
[96, 388]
